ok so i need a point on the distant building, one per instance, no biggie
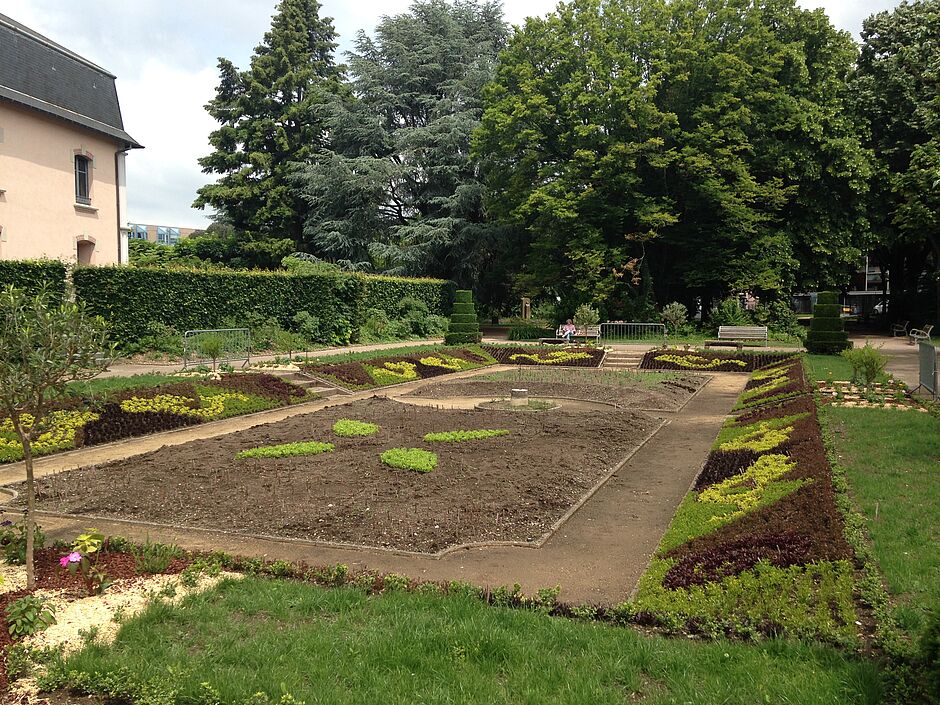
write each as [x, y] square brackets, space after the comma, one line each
[62, 151]
[160, 234]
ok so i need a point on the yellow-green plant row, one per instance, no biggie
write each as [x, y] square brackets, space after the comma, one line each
[286, 450]
[760, 439]
[455, 364]
[747, 491]
[410, 459]
[459, 436]
[559, 357]
[697, 362]
[211, 406]
[393, 373]
[58, 433]
[350, 428]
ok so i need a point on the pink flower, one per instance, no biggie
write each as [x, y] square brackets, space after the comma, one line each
[73, 557]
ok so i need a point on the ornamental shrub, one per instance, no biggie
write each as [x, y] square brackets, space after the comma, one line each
[868, 363]
[674, 315]
[584, 315]
[33, 275]
[827, 335]
[463, 326]
[729, 313]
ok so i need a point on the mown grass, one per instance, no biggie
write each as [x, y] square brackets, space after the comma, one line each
[890, 458]
[609, 378]
[101, 386]
[341, 646]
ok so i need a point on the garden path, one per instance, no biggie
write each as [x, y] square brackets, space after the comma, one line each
[902, 357]
[596, 556]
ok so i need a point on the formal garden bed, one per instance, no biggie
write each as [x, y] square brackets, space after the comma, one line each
[710, 360]
[540, 356]
[380, 369]
[87, 419]
[627, 389]
[757, 547]
[508, 487]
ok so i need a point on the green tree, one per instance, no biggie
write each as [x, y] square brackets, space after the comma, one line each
[44, 344]
[896, 90]
[705, 141]
[400, 189]
[271, 120]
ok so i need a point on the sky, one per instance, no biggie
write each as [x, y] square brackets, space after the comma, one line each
[164, 54]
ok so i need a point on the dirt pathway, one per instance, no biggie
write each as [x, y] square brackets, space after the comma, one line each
[596, 556]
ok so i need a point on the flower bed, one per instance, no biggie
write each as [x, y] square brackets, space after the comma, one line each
[757, 547]
[531, 355]
[136, 412]
[384, 370]
[774, 383]
[710, 360]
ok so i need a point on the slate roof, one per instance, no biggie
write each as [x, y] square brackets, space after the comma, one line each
[40, 74]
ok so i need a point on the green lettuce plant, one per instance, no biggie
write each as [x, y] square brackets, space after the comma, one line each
[410, 459]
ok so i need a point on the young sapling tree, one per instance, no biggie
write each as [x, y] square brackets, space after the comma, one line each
[45, 343]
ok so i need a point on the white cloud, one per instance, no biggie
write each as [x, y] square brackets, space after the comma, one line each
[164, 54]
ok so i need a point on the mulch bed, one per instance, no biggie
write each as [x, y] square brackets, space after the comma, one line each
[753, 361]
[667, 395]
[504, 355]
[512, 487]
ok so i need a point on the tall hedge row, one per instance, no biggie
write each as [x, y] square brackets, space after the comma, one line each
[32, 275]
[131, 299]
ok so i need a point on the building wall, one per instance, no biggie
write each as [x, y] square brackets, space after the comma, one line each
[38, 212]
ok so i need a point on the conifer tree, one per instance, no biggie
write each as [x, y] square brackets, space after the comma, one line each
[270, 121]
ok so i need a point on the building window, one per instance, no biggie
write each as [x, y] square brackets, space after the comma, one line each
[136, 232]
[82, 180]
[168, 236]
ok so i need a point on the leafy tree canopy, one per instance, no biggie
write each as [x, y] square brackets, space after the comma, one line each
[398, 188]
[270, 118]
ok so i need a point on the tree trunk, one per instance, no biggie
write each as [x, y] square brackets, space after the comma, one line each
[30, 508]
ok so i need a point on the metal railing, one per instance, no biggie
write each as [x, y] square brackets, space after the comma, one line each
[215, 345]
[629, 332]
[928, 369]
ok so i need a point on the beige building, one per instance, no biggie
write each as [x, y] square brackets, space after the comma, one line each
[62, 151]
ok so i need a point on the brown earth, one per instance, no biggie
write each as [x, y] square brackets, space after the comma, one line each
[509, 488]
[667, 395]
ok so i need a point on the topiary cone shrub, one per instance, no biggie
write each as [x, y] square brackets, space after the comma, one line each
[463, 327]
[827, 335]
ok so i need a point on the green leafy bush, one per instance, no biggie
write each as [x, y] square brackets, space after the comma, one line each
[460, 436]
[585, 315]
[522, 329]
[286, 450]
[350, 428]
[463, 326]
[868, 363]
[28, 615]
[410, 459]
[826, 332]
[154, 558]
[33, 275]
[729, 313]
[13, 542]
[674, 315]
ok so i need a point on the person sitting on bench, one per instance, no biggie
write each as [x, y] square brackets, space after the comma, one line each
[568, 330]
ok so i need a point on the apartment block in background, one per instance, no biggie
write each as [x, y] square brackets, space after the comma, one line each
[62, 152]
[160, 234]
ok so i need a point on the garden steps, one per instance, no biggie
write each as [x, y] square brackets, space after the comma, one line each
[622, 360]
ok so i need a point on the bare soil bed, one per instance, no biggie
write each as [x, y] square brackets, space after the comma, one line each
[623, 390]
[512, 487]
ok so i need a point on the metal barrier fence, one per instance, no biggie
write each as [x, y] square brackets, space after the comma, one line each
[927, 355]
[216, 345]
[623, 332]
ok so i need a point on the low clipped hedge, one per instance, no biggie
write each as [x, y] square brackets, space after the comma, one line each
[133, 299]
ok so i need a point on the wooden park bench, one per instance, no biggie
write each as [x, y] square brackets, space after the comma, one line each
[586, 332]
[738, 335]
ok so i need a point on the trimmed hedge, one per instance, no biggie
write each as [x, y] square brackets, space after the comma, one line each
[826, 332]
[464, 326]
[32, 275]
[132, 299]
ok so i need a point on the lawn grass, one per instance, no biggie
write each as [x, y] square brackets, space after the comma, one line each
[341, 646]
[610, 378]
[890, 459]
[101, 386]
